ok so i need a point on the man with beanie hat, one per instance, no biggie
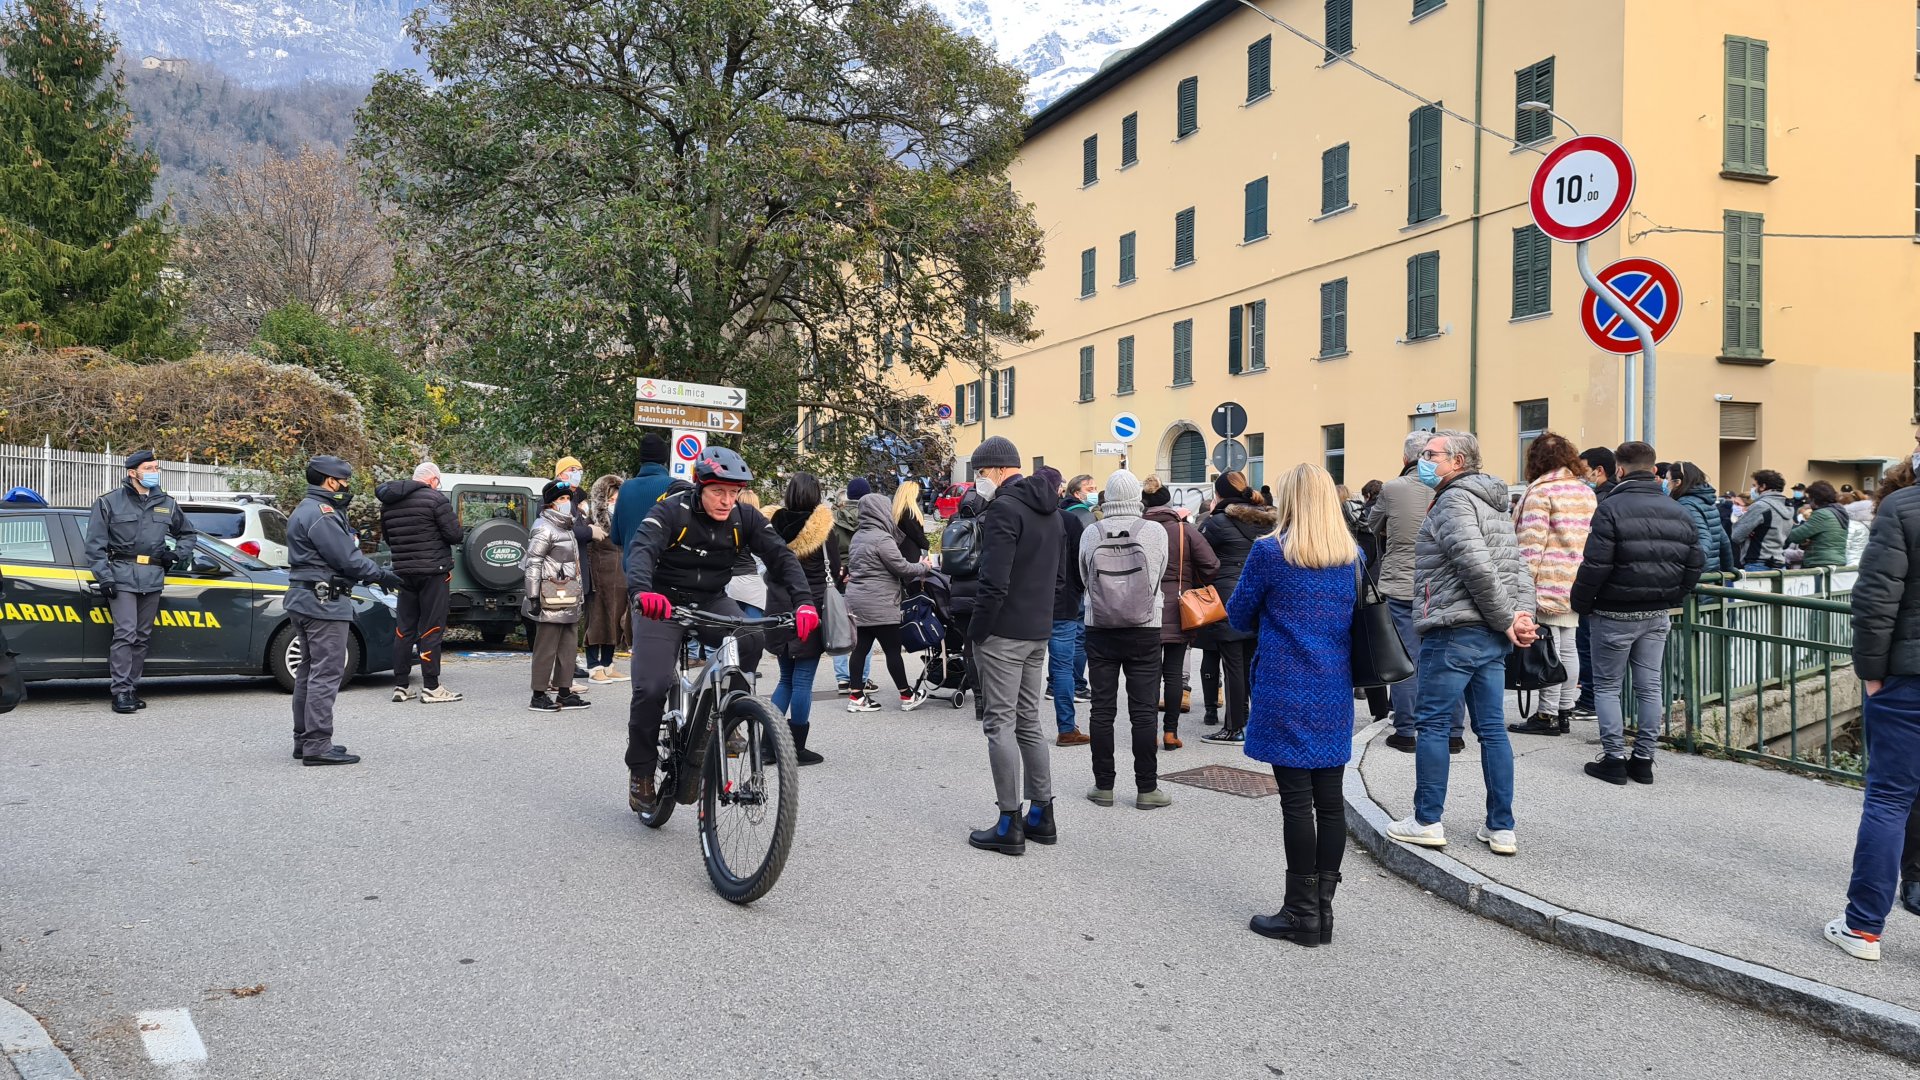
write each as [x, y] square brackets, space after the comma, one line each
[642, 491]
[1012, 620]
[1122, 558]
[129, 554]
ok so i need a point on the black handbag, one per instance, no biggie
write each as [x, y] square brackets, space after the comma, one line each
[1537, 666]
[1379, 657]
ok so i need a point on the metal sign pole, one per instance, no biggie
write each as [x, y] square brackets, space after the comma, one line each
[1632, 318]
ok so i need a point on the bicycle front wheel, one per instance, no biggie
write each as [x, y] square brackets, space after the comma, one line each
[749, 800]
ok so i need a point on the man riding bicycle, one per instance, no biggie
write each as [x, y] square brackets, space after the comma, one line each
[682, 555]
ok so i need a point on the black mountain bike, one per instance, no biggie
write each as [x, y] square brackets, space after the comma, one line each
[728, 750]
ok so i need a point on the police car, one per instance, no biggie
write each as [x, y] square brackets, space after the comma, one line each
[224, 615]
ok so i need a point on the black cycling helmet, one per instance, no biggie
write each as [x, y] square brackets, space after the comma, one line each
[719, 465]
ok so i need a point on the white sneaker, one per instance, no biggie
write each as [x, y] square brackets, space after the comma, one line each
[1408, 830]
[862, 703]
[439, 695]
[1857, 945]
[598, 675]
[401, 693]
[614, 674]
[908, 704]
[1499, 840]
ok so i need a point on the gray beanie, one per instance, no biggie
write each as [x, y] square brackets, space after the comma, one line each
[1123, 495]
[996, 453]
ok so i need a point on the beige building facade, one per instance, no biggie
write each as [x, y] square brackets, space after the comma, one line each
[1231, 216]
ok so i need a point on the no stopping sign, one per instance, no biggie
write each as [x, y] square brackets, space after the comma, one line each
[1582, 188]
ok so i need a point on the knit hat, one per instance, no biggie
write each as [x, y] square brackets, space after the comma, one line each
[139, 458]
[1161, 495]
[997, 452]
[554, 492]
[560, 467]
[653, 449]
[1123, 495]
[858, 489]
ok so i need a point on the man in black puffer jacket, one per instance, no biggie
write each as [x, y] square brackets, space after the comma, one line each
[420, 528]
[1642, 559]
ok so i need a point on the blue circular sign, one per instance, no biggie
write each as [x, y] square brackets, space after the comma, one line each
[1126, 426]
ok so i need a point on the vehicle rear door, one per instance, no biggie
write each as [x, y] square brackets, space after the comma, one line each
[45, 609]
[205, 622]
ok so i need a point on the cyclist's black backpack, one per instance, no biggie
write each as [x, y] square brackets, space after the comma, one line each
[960, 548]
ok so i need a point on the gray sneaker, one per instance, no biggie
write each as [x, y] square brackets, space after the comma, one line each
[439, 695]
[1100, 796]
[401, 693]
[1152, 800]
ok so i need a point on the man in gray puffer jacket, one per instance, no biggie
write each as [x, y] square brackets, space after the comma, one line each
[1473, 601]
[1396, 518]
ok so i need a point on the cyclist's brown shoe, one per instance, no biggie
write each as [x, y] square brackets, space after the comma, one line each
[639, 793]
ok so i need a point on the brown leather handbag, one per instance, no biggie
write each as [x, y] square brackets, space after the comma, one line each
[1198, 607]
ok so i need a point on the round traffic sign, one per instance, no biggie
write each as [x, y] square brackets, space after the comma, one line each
[1229, 420]
[943, 411]
[1582, 188]
[1229, 455]
[1126, 426]
[1652, 290]
[688, 447]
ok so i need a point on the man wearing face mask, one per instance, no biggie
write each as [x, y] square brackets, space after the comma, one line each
[128, 551]
[324, 563]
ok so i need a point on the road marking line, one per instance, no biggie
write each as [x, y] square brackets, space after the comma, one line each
[171, 1041]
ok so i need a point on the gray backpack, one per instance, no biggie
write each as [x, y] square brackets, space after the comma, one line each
[1122, 590]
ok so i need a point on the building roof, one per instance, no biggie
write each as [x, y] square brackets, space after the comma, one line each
[1116, 71]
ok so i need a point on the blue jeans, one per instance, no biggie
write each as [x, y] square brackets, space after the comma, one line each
[1406, 693]
[1069, 639]
[1470, 662]
[796, 689]
[1081, 687]
[1892, 722]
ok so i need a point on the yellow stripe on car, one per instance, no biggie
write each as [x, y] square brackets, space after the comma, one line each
[62, 573]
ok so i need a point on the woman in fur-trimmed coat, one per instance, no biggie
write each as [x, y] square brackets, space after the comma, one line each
[804, 523]
[607, 619]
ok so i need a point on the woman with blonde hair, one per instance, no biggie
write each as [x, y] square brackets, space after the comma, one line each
[1296, 596]
[912, 526]
[608, 617]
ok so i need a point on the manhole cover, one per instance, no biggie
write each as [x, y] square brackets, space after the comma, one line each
[1242, 782]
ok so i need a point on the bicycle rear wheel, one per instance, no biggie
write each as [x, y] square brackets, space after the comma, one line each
[748, 803]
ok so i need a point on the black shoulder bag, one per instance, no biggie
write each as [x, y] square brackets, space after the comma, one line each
[1379, 657]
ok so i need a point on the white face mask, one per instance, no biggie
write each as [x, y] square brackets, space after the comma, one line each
[564, 506]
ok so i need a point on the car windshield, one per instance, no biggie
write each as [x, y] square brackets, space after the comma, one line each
[225, 524]
[234, 555]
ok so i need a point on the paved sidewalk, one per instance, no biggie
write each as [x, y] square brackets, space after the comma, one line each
[1727, 856]
[27, 1050]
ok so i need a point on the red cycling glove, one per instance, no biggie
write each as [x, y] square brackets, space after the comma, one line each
[654, 606]
[806, 621]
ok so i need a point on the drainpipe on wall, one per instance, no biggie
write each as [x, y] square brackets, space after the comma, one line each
[1473, 312]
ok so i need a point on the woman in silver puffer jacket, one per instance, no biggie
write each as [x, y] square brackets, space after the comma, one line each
[554, 600]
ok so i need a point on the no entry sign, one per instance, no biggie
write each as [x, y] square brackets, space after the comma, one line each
[1582, 188]
[1650, 287]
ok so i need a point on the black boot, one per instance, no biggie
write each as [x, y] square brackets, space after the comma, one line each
[1329, 881]
[1565, 720]
[1007, 835]
[1540, 723]
[1039, 825]
[800, 752]
[1298, 920]
[124, 703]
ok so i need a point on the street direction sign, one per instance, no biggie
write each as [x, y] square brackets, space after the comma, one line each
[687, 393]
[1110, 449]
[1126, 426]
[687, 446]
[669, 414]
[1582, 188]
[1229, 420]
[1229, 455]
[1650, 287]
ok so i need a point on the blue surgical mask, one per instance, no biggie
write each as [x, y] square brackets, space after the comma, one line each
[1666, 487]
[1428, 472]
[149, 480]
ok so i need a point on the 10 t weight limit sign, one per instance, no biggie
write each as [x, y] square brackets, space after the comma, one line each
[1582, 188]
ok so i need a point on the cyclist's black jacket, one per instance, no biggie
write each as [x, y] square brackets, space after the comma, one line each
[680, 552]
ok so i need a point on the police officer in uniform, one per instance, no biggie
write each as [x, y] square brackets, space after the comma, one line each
[128, 551]
[324, 563]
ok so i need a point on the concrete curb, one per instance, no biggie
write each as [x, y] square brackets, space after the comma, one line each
[1883, 1025]
[28, 1049]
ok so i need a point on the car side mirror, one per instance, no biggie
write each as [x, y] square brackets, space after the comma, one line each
[208, 566]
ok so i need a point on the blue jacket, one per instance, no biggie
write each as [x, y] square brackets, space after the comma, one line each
[1302, 700]
[637, 498]
[1705, 510]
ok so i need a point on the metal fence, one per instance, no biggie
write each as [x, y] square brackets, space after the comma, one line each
[76, 478]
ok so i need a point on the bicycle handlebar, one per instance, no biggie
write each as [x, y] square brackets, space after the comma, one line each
[693, 616]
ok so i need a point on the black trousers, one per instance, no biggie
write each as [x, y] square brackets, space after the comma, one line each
[1134, 653]
[888, 638]
[658, 648]
[1379, 704]
[1313, 818]
[423, 623]
[1233, 674]
[1173, 683]
[1210, 678]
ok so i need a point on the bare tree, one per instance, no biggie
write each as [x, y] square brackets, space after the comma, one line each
[287, 230]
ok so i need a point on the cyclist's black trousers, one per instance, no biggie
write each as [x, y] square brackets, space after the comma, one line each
[657, 650]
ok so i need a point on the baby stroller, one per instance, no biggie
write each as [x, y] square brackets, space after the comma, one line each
[927, 626]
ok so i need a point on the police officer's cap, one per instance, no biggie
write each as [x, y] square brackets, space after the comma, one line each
[328, 465]
[139, 458]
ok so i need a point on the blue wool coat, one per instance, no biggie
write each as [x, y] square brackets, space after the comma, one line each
[1302, 714]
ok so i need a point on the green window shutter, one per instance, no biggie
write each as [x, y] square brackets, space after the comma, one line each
[1086, 272]
[1007, 405]
[1329, 337]
[1746, 121]
[1126, 258]
[993, 393]
[1090, 160]
[1740, 335]
[1188, 457]
[1257, 335]
[1533, 83]
[1333, 178]
[1532, 272]
[1129, 139]
[1260, 68]
[1340, 315]
[1183, 352]
[1256, 210]
[1423, 295]
[1183, 237]
[1234, 342]
[1188, 103]
[960, 404]
[1086, 373]
[1124, 383]
[1423, 164]
[1339, 35]
[972, 317]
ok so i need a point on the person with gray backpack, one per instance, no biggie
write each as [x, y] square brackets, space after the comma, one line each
[1122, 559]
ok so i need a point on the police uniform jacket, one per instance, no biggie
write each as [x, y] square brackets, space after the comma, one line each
[127, 538]
[321, 547]
[680, 552]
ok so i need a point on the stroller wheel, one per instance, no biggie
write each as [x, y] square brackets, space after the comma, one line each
[959, 698]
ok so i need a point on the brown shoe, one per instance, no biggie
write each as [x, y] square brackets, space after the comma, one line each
[640, 796]
[1076, 737]
[1186, 701]
[1171, 741]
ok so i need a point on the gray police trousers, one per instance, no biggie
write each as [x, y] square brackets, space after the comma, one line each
[133, 615]
[323, 670]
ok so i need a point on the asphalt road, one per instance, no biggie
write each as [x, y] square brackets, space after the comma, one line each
[475, 900]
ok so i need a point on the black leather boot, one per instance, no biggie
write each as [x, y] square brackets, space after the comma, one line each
[124, 703]
[800, 752]
[1007, 835]
[1298, 920]
[1329, 881]
[1039, 825]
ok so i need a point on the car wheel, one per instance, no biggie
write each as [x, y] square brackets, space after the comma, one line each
[284, 656]
[495, 637]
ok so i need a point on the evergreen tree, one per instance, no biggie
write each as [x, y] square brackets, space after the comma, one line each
[80, 263]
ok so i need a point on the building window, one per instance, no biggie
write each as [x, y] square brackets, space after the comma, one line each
[1183, 352]
[1126, 258]
[1260, 68]
[1187, 106]
[1247, 337]
[1256, 211]
[1739, 421]
[972, 320]
[1532, 272]
[1423, 164]
[1003, 392]
[1257, 335]
[1123, 383]
[1090, 160]
[1421, 7]
[1423, 295]
[1183, 237]
[1740, 322]
[1333, 442]
[1333, 178]
[1189, 458]
[886, 350]
[1006, 299]
[1746, 150]
[1530, 419]
[1333, 317]
[1339, 35]
[1256, 460]
[1533, 83]
[1086, 373]
[966, 403]
[1086, 272]
[1130, 139]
